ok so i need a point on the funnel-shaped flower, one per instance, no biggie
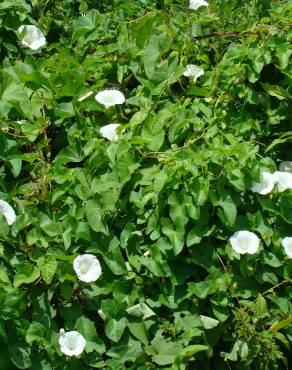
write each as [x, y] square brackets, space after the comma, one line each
[195, 4]
[266, 184]
[283, 180]
[193, 71]
[8, 212]
[287, 245]
[244, 242]
[71, 343]
[33, 37]
[286, 166]
[110, 97]
[87, 267]
[110, 131]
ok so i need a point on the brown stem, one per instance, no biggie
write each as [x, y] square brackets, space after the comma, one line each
[225, 34]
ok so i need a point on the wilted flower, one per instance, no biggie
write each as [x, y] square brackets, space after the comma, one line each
[266, 185]
[195, 4]
[8, 212]
[33, 37]
[283, 180]
[87, 267]
[110, 131]
[287, 245]
[193, 71]
[85, 96]
[110, 97]
[244, 242]
[71, 343]
[286, 166]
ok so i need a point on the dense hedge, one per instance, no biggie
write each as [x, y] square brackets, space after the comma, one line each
[157, 204]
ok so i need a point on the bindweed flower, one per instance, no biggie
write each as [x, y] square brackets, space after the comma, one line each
[283, 180]
[287, 245]
[266, 184]
[193, 71]
[33, 37]
[87, 267]
[195, 4]
[286, 166]
[244, 242]
[8, 212]
[110, 132]
[109, 98]
[71, 343]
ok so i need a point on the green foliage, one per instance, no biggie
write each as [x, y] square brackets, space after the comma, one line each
[157, 206]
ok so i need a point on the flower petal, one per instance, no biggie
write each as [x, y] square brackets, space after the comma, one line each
[109, 131]
[87, 268]
[109, 98]
[33, 37]
[193, 71]
[8, 212]
[287, 245]
[244, 242]
[266, 184]
[195, 4]
[283, 180]
[71, 343]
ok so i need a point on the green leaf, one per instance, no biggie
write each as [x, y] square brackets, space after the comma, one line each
[26, 273]
[208, 322]
[176, 237]
[260, 307]
[49, 226]
[19, 355]
[35, 332]
[281, 324]
[129, 352]
[140, 310]
[286, 206]
[165, 352]
[95, 217]
[155, 47]
[84, 24]
[190, 351]
[114, 329]
[109, 248]
[277, 91]
[229, 209]
[48, 268]
[139, 330]
[198, 91]
[88, 330]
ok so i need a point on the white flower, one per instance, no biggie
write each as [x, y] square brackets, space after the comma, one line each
[110, 97]
[266, 185]
[195, 4]
[286, 166]
[110, 131]
[71, 343]
[8, 212]
[283, 180]
[87, 267]
[33, 37]
[193, 71]
[244, 242]
[287, 245]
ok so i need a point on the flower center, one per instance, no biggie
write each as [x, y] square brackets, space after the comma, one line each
[84, 269]
[244, 244]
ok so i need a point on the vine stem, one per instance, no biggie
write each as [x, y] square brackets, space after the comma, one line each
[235, 33]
